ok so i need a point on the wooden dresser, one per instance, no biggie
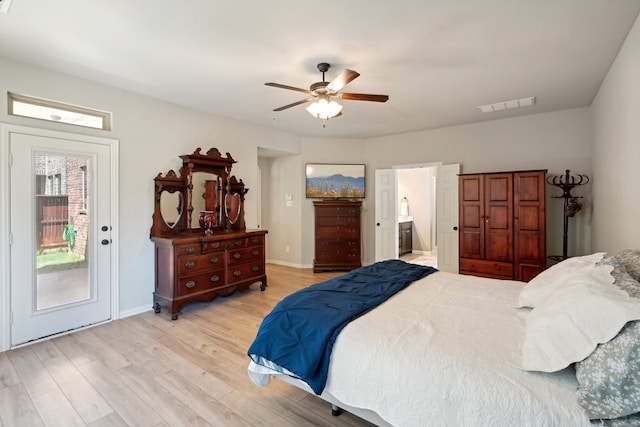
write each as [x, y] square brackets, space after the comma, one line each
[199, 268]
[337, 235]
[502, 224]
[202, 247]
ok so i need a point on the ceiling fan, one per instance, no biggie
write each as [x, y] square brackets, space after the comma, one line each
[324, 94]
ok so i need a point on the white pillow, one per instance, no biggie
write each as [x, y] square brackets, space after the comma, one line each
[586, 311]
[540, 287]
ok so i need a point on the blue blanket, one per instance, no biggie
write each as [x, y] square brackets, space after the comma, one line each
[299, 333]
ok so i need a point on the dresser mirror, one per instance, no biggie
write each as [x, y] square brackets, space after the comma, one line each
[232, 207]
[202, 192]
[205, 197]
[171, 208]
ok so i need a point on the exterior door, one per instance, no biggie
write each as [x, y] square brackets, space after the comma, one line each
[60, 232]
[386, 215]
[447, 217]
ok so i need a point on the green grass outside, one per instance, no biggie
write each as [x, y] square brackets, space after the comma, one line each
[59, 259]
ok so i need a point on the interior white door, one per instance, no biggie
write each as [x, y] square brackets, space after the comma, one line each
[59, 284]
[386, 214]
[447, 217]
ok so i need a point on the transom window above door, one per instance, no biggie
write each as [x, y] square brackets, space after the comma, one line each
[44, 109]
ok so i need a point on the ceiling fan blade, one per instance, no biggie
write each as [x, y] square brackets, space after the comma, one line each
[342, 80]
[363, 97]
[287, 87]
[294, 104]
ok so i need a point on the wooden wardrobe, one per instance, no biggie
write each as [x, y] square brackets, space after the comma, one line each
[502, 224]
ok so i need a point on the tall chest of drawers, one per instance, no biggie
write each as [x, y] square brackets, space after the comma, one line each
[199, 268]
[337, 235]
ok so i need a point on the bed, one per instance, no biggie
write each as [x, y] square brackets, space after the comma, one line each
[452, 350]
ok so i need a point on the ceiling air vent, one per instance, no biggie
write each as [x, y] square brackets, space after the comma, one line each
[507, 105]
[4, 6]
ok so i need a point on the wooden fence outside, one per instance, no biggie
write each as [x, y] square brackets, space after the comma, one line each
[51, 217]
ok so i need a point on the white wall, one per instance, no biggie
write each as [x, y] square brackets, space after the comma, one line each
[152, 135]
[285, 175]
[554, 141]
[616, 152]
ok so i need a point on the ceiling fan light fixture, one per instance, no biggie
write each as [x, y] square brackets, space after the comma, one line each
[324, 109]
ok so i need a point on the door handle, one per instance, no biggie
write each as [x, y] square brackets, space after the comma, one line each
[105, 241]
[455, 228]
[105, 228]
[377, 224]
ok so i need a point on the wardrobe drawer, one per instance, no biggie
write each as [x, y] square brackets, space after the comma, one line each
[493, 268]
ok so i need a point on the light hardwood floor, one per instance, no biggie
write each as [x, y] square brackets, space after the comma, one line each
[147, 370]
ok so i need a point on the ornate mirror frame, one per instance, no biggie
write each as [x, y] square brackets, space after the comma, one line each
[215, 194]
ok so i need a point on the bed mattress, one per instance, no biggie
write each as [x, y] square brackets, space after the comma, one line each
[442, 353]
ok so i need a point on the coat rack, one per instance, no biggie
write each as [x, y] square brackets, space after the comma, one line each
[572, 205]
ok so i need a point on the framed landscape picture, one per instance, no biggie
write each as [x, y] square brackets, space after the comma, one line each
[335, 181]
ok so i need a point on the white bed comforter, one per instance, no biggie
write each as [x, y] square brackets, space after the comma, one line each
[439, 353]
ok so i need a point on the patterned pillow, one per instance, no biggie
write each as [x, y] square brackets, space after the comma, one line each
[630, 259]
[609, 379]
[622, 278]
[628, 421]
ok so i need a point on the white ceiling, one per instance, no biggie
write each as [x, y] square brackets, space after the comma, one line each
[436, 59]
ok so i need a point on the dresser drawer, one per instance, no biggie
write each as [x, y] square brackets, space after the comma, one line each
[237, 273]
[338, 220]
[337, 231]
[240, 256]
[245, 241]
[200, 282]
[337, 211]
[198, 263]
[337, 243]
[338, 255]
[200, 248]
[485, 267]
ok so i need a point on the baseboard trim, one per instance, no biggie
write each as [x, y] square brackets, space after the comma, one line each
[288, 264]
[136, 310]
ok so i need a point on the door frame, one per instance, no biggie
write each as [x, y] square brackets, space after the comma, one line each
[5, 199]
[394, 185]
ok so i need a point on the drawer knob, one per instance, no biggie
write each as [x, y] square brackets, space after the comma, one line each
[236, 255]
[237, 273]
[190, 264]
[190, 249]
[190, 284]
[255, 252]
[237, 242]
[214, 278]
[255, 268]
[215, 244]
[214, 260]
